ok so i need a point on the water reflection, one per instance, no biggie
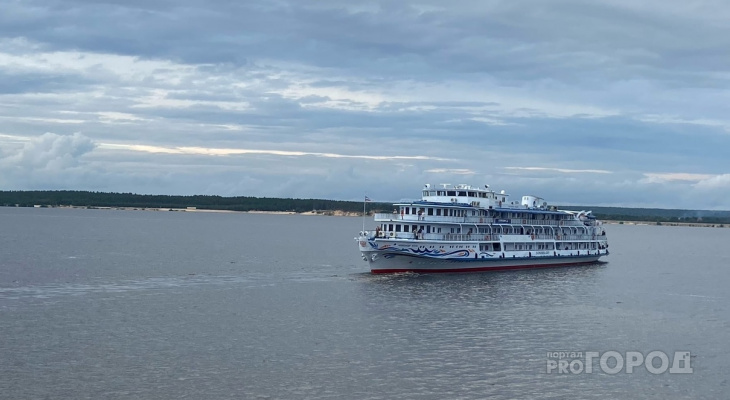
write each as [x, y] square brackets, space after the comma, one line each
[536, 285]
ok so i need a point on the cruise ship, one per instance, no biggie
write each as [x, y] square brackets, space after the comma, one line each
[460, 228]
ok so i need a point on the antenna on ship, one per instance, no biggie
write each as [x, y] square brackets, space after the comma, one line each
[365, 201]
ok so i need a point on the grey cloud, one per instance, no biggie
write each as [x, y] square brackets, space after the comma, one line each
[622, 86]
[16, 83]
[49, 151]
[512, 40]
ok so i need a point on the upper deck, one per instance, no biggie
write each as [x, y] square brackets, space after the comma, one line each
[478, 197]
[464, 204]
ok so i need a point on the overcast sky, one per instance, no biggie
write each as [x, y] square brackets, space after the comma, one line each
[617, 102]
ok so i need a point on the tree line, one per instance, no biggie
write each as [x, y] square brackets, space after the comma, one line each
[659, 215]
[58, 198]
[55, 198]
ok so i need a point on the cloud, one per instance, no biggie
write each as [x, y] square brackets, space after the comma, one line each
[451, 171]
[563, 170]
[666, 119]
[579, 101]
[233, 152]
[50, 161]
[49, 152]
[655, 177]
[714, 182]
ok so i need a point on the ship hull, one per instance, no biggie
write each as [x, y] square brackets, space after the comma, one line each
[397, 263]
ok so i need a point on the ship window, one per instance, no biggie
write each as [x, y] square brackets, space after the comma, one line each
[451, 193]
[432, 193]
[425, 193]
[472, 194]
[430, 211]
[439, 230]
[408, 210]
[390, 228]
[438, 212]
[397, 228]
[462, 193]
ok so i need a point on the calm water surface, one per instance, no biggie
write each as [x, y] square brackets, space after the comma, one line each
[169, 305]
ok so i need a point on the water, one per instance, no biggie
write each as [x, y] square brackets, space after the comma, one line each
[168, 305]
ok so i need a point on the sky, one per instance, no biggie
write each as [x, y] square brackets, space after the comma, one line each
[613, 103]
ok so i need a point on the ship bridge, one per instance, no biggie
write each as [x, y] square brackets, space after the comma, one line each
[481, 197]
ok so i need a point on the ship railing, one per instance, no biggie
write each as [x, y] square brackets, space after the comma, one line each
[543, 222]
[577, 237]
[471, 237]
[395, 217]
[431, 218]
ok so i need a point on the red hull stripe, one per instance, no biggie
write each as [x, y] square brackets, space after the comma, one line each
[478, 269]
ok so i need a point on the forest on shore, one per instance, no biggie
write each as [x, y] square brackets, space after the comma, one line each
[60, 198]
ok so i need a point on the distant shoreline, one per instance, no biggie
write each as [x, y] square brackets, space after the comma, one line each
[340, 213]
[274, 205]
[686, 224]
[334, 213]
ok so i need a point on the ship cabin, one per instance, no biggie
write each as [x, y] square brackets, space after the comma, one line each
[464, 201]
[465, 213]
[465, 194]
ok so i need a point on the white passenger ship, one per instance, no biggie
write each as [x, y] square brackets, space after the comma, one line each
[459, 228]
